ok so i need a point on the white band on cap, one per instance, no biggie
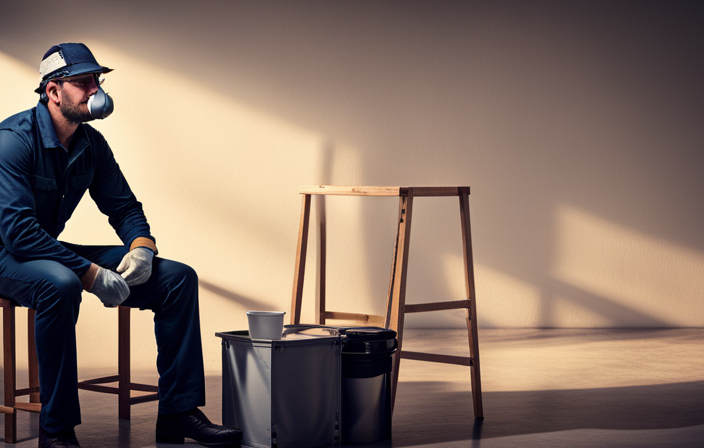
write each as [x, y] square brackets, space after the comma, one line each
[52, 63]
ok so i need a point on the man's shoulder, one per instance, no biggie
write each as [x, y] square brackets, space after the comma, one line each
[19, 122]
[18, 126]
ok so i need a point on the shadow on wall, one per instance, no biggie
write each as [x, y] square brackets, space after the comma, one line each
[247, 303]
[446, 415]
[539, 107]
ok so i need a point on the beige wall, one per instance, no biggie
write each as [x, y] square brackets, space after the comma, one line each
[579, 129]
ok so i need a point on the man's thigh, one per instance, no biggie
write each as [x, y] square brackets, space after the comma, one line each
[26, 282]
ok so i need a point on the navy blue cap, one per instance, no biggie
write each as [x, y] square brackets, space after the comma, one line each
[65, 60]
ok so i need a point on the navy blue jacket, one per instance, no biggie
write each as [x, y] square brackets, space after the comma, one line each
[41, 183]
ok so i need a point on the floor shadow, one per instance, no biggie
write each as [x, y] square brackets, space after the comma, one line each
[431, 413]
[557, 336]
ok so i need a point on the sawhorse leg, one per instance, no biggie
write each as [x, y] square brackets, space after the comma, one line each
[471, 312]
[299, 270]
[397, 286]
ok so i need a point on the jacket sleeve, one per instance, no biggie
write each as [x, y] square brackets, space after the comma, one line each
[115, 199]
[20, 231]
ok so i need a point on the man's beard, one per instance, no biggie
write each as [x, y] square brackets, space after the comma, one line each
[73, 113]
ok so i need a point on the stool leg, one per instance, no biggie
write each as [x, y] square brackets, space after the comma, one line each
[472, 311]
[32, 356]
[10, 383]
[397, 289]
[123, 362]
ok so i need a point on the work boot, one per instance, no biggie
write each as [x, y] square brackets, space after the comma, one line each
[57, 440]
[195, 425]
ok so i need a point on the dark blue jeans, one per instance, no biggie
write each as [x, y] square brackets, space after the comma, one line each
[55, 292]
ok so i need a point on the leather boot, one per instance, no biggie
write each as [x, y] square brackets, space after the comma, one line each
[195, 425]
[57, 440]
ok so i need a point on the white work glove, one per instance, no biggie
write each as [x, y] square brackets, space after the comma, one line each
[136, 266]
[110, 288]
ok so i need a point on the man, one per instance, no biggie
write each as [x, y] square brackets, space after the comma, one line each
[49, 157]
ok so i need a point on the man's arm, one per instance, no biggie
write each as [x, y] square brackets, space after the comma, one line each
[20, 230]
[24, 238]
[114, 198]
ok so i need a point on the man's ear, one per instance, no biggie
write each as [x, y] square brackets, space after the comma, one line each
[53, 92]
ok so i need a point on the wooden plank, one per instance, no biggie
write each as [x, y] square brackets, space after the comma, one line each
[392, 276]
[365, 318]
[9, 359]
[96, 388]
[432, 357]
[144, 398]
[350, 190]
[6, 410]
[9, 343]
[397, 300]
[29, 407]
[9, 367]
[27, 391]
[33, 363]
[322, 261]
[124, 368]
[343, 190]
[101, 380]
[437, 306]
[300, 267]
[144, 387]
[436, 191]
[141, 393]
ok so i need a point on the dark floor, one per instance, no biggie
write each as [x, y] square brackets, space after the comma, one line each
[541, 388]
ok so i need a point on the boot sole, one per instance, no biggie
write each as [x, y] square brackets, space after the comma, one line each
[179, 440]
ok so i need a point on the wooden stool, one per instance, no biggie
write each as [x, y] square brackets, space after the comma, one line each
[396, 300]
[123, 389]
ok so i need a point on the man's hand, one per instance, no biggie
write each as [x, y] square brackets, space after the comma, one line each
[110, 288]
[136, 266]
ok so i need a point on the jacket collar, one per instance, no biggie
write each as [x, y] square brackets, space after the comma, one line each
[46, 127]
[48, 134]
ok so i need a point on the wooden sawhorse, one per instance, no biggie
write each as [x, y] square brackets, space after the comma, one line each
[396, 300]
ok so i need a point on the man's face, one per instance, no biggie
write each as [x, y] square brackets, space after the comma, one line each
[75, 93]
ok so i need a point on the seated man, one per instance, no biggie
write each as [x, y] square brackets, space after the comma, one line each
[49, 157]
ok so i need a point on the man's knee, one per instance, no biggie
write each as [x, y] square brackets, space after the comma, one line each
[58, 284]
[180, 274]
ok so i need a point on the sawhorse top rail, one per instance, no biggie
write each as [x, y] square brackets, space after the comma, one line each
[382, 191]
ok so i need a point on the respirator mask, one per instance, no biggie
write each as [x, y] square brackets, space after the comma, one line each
[100, 105]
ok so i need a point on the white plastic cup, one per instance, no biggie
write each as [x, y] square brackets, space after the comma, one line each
[266, 324]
